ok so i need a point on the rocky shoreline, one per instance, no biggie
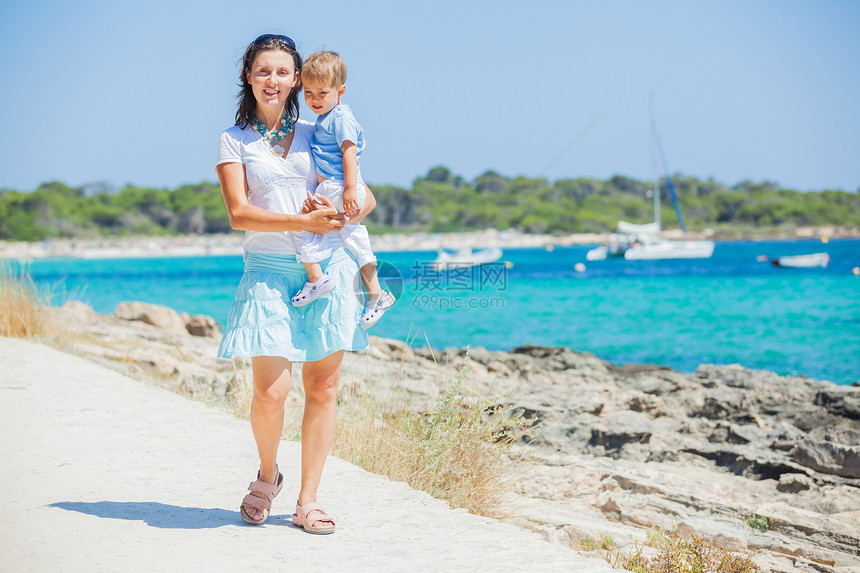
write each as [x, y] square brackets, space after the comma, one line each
[756, 461]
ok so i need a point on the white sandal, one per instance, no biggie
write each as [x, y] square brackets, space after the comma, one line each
[373, 313]
[312, 291]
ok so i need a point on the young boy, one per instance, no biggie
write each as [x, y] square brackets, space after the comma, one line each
[337, 144]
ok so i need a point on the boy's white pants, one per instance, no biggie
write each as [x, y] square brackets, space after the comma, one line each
[313, 248]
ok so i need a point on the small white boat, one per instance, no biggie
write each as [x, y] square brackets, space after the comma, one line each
[597, 253]
[815, 260]
[466, 258]
[655, 248]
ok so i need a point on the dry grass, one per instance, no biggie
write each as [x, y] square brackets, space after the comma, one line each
[676, 554]
[241, 391]
[457, 452]
[23, 310]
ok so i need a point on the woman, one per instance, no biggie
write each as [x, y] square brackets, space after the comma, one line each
[266, 172]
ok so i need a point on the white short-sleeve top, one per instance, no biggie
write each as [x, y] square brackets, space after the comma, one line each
[275, 183]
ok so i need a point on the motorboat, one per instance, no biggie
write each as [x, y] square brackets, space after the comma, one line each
[814, 260]
[465, 258]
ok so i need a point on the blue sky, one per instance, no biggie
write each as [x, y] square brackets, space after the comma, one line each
[138, 92]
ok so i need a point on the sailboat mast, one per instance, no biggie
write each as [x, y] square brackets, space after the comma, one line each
[655, 189]
[669, 184]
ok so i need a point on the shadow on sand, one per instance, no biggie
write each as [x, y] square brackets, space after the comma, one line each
[160, 515]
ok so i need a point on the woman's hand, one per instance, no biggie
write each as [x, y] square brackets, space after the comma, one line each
[322, 216]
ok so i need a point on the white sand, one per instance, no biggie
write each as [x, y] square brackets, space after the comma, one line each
[104, 473]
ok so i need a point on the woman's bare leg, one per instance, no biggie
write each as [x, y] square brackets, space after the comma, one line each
[318, 424]
[272, 377]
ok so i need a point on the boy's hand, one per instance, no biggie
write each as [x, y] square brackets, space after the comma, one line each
[312, 203]
[324, 217]
[350, 201]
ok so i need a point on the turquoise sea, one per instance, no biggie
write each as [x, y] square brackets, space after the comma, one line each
[727, 309]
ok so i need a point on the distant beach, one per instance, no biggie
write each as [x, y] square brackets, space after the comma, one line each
[231, 244]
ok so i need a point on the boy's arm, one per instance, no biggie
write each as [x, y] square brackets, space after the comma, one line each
[350, 177]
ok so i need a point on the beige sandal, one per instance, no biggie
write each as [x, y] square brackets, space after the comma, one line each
[264, 504]
[309, 515]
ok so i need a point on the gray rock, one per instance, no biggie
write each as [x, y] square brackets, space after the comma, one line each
[783, 432]
[840, 401]
[481, 355]
[203, 385]
[154, 314]
[644, 404]
[739, 434]
[622, 429]
[717, 407]
[846, 436]
[201, 325]
[829, 457]
[793, 483]
[735, 375]
[650, 384]
[77, 313]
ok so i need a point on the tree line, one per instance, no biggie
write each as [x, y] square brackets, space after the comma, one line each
[438, 202]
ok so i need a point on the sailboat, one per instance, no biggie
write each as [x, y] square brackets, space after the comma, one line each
[643, 242]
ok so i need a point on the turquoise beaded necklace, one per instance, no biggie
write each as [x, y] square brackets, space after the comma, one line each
[274, 136]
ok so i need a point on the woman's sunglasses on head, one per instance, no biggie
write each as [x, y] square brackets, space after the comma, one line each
[285, 39]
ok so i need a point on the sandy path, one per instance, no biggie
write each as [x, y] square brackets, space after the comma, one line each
[103, 473]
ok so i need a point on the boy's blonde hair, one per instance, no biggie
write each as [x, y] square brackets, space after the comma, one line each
[325, 67]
